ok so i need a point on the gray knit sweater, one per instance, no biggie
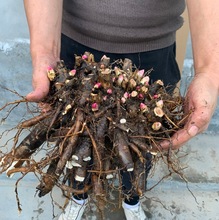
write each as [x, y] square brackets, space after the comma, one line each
[123, 26]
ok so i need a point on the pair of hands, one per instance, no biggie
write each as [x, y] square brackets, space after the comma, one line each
[201, 98]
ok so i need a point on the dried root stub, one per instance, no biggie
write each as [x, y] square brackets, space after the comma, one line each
[103, 118]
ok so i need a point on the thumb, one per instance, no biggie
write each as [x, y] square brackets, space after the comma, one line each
[41, 89]
[197, 123]
[193, 130]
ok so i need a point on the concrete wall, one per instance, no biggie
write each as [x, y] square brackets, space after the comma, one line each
[15, 62]
[13, 22]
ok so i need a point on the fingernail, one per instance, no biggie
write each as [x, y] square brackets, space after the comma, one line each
[165, 143]
[193, 130]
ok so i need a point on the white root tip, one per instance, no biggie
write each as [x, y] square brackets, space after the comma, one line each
[68, 165]
[75, 164]
[79, 178]
[87, 159]
[109, 176]
[153, 153]
[75, 157]
[2, 161]
[12, 166]
[130, 169]
[122, 121]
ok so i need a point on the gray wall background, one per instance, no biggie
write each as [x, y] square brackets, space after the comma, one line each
[13, 22]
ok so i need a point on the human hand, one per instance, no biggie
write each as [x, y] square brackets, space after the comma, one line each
[40, 80]
[201, 100]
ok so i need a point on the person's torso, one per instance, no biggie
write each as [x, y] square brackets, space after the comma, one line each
[123, 25]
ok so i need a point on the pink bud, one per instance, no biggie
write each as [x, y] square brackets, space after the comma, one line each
[143, 107]
[51, 73]
[109, 91]
[120, 79]
[126, 95]
[84, 57]
[140, 74]
[145, 80]
[94, 107]
[97, 85]
[104, 98]
[156, 96]
[138, 88]
[72, 72]
[49, 68]
[123, 100]
[140, 96]
[159, 103]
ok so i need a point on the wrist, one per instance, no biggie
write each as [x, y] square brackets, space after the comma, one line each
[44, 50]
[41, 61]
[210, 78]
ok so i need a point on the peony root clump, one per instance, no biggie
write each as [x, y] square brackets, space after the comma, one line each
[102, 118]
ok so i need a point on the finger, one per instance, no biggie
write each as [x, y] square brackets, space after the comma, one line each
[179, 139]
[41, 89]
[37, 95]
[197, 123]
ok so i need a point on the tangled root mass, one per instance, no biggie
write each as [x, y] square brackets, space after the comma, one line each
[101, 118]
